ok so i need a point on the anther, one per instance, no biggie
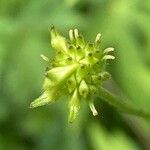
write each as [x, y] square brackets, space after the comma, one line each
[44, 57]
[93, 109]
[76, 33]
[98, 37]
[71, 35]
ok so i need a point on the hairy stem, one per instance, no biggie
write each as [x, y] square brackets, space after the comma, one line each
[121, 104]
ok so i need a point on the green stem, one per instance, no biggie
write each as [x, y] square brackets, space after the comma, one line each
[121, 104]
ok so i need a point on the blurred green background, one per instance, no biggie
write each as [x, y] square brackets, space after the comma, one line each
[24, 35]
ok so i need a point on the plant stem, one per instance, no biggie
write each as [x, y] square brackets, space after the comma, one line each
[121, 104]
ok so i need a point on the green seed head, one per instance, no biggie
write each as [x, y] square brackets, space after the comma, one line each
[78, 68]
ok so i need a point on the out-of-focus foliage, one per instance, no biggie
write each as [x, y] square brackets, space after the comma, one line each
[24, 35]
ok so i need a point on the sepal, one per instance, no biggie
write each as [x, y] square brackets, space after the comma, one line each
[47, 97]
[83, 89]
[58, 42]
[74, 106]
[59, 75]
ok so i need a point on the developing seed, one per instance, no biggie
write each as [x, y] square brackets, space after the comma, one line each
[59, 52]
[98, 63]
[46, 74]
[78, 47]
[91, 44]
[82, 66]
[70, 47]
[90, 54]
[99, 77]
[47, 68]
[97, 51]
[69, 58]
[69, 82]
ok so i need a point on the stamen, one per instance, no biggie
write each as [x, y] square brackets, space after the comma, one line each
[76, 33]
[98, 37]
[107, 50]
[93, 109]
[44, 57]
[108, 57]
[71, 35]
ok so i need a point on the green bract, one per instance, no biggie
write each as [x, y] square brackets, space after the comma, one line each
[78, 69]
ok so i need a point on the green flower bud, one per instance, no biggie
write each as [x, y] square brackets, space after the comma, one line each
[77, 70]
[74, 106]
[83, 89]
